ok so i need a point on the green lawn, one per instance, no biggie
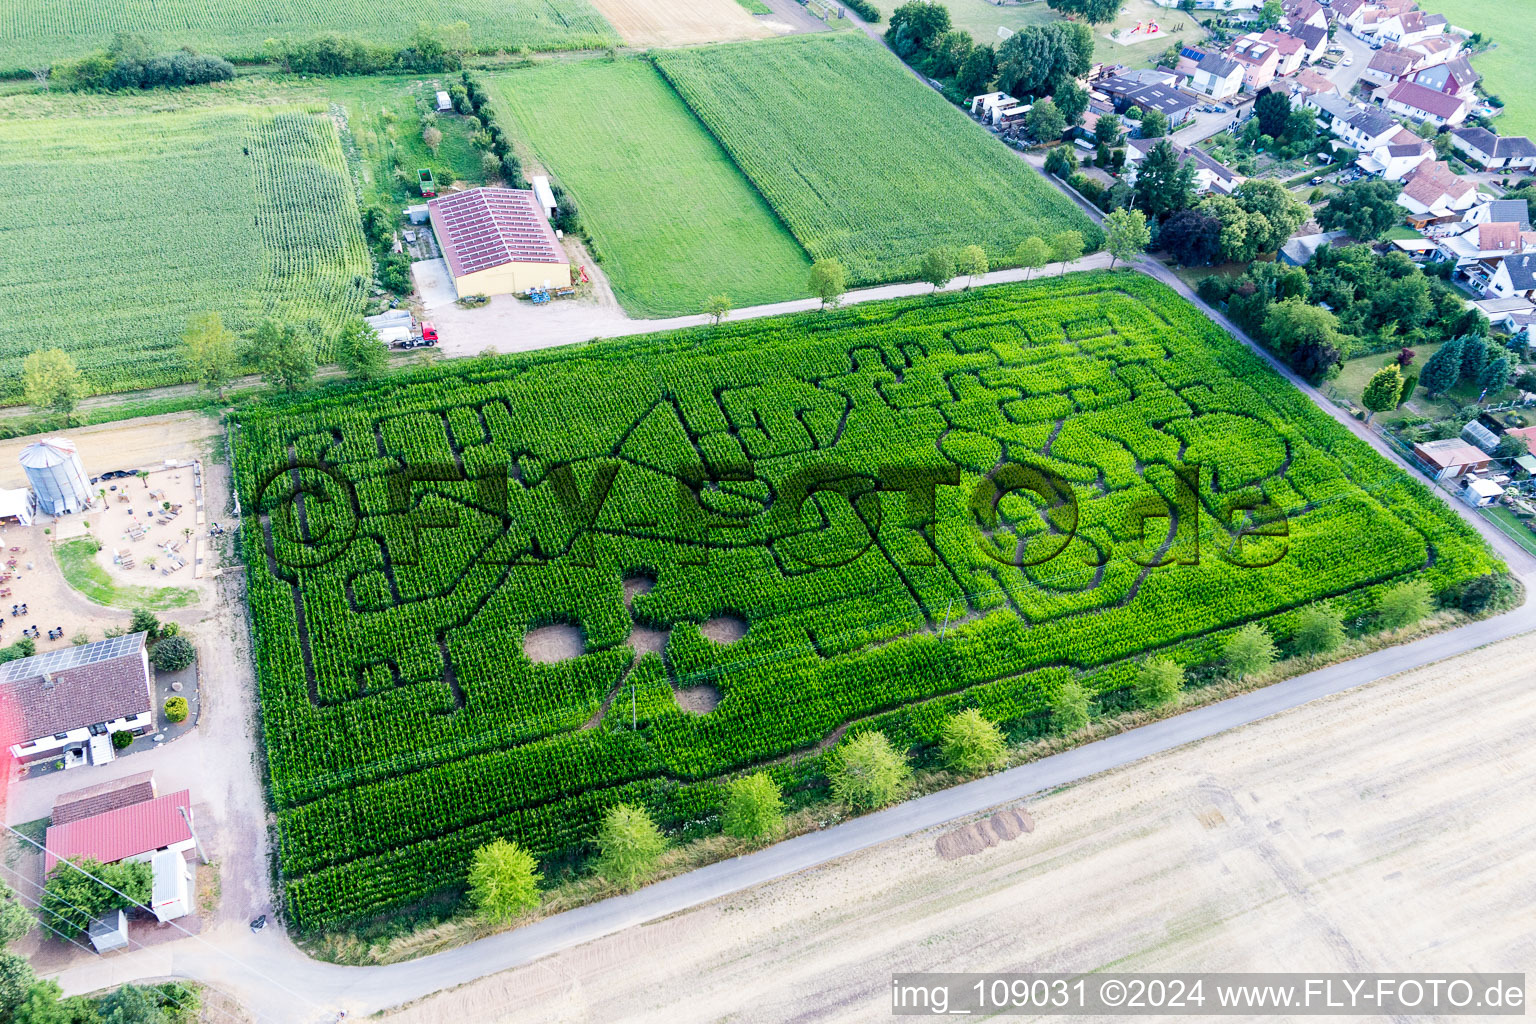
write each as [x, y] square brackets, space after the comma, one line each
[1401, 231]
[1514, 526]
[77, 561]
[1509, 69]
[672, 218]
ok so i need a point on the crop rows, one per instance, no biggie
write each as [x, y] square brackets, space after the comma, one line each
[863, 162]
[405, 724]
[134, 222]
[46, 31]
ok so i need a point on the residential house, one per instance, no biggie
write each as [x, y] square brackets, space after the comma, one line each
[1479, 248]
[1409, 26]
[1217, 76]
[1454, 78]
[134, 833]
[1425, 104]
[1300, 250]
[1390, 65]
[1308, 83]
[1309, 13]
[1174, 103]
[1496, 211]
[1398, 158]
[1435, 50]
[1515, 277]
[1289, 49]
[1360, 128]
[1495, 152]
[1314, 41]
[1452, 457]
[67, 703]
[1363, 16]
[1210, 174]
[1260, 60]
[1433, 194]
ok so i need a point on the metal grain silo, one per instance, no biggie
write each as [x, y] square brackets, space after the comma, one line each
[54, 472]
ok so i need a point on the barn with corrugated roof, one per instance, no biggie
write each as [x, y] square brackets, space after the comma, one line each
[497, 241]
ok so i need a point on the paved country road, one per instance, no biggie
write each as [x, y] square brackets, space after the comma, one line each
[281, 985]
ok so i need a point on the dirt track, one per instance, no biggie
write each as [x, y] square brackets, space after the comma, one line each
[1389, 828]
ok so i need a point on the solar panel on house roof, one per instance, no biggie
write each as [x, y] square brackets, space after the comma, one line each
[487, 227]
[71, 657]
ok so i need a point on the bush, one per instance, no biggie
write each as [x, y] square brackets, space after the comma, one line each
[1405, 604]
[122, 739]
[1489, 593]
[628, 844]
[1069, 711]
[754, 808]
[173, 654]
[176, 709]
[864, 9]
[503, 880]
[1249, 651]
[1319, 630]
[1158, 682]
[867, 771]
[970, 743]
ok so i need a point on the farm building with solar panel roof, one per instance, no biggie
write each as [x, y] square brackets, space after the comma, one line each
[497, 241]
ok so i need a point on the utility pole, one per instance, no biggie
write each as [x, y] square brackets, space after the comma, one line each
[945, 627]
[202, 855]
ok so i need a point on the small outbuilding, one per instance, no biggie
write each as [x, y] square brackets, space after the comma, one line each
[444, 103]
[171, 893]
[1451, 457]
[1477, 492]
[109, 931]
[498, 241]
[544, 194]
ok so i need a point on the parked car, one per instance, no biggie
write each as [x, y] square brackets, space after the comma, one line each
[1316, 181]
[1346, 62]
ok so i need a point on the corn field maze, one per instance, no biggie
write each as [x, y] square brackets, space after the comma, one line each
[748, 541]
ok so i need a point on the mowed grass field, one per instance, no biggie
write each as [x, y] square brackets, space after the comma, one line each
[135, 220]
[45, 31]
[862, 161]
[672, 218]
[1509, 69]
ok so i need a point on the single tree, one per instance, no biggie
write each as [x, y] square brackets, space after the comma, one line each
[1126, 235]
[754, 808]
[211, 351]
[1366, 209]
[1060, 162]
[1070, 708]
[1192, 237]
[490, 166]
[16, 980]
[1032, 254]
[1067, 247]
[1154, 124]
[976, 71]
[359, 350]
[1271, 110]
[173, 654]
[282, 354]
[503, 880]
[867, 772]
[971, 261]
[1251, 650]
[1410, 381]
[145, 621]
[628, 844]
[828, 281]
[1095, 12]
[937, 268]
[1495, 374]
[50, 382]
[970, 743]
[15, 919]
[1072, 100]
[1045, 121]
[1512, 446]
[1442, 370]
[1108, 130]
[1158, 682]
[1165, 184]
[1294, 323]
[1474, 353]
[1319, 629]
[1405, 604]
[1383, 390]
[432, 137]
[717, 308]
[74, 894]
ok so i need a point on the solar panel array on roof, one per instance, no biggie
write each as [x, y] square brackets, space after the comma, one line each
[71, 657]
[487, 227]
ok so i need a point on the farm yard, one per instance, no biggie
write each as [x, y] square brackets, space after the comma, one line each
[46, 31]
[670, 215]
[460, 659]
[861, 161]
[136, 219]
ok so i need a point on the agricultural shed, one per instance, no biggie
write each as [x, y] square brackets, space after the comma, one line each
[496, 241]
[1451, 456]
[136, 832]
[102, 797]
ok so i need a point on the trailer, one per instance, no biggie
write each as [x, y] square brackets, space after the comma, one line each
[392, 326]
[428, 184]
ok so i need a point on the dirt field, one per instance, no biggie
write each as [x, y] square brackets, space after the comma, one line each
[680, 22]
[1390, 828]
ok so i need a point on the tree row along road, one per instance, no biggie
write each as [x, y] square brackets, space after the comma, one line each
[280, 984]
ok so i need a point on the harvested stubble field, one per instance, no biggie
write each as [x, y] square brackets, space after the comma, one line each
[441, 522]
[46, 31]
[861, 160]
[673, 219]
[680, 22]
[137, 219]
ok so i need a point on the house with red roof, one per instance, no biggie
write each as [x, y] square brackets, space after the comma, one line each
[1425, 104]
[498, 241]
[68, 703]
[1292, 51]
[135, 832]
[1260, 60]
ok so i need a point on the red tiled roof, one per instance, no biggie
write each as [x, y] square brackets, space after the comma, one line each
[1413, 95]
[1283, 43]
[103, 797]
[1498, 237]
[121, 833]
[489, 227]
[59, 691]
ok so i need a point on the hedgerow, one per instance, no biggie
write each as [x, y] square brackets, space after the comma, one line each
[441, 523]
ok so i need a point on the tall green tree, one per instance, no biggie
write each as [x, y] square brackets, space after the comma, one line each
[15, 919]
[1366, 209]
[1032, 254]
[1154, 124]
[50, 382]
[1271, 110]
[1250, 651]
[867, 771]
[1495, 374]
[937, 267]
[916, 26]
[1383, 389]
[1072, 100]
[754, 808]
[359, 350]
[74, 894]
[1067, 246]
[1474, 353]
[16, 980]
[210, 350]
[1165, 184]
[1126, 235]
[629, 845]
[1095, 12]
[283, 355]
[976, 71]
[1443, 369]
[971, 262]
[1038, 59]
[503, 880]
[1107, 130]
[829, 281]
[1045, 122]
[970, 743]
